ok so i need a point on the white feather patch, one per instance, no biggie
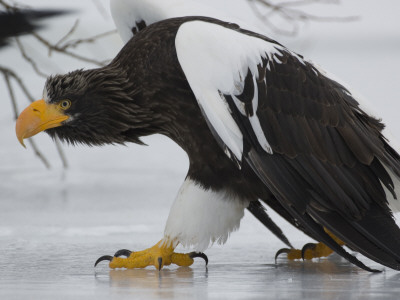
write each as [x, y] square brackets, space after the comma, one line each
[216, 60]
[201, 217]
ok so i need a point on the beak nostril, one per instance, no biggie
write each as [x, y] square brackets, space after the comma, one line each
[35, 110]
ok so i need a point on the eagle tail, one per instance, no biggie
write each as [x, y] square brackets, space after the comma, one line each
[372, 236]
[256, 208]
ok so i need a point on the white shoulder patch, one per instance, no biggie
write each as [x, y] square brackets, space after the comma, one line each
[216, 60]
[126, 13]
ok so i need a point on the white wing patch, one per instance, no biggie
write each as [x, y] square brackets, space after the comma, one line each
[215, 61]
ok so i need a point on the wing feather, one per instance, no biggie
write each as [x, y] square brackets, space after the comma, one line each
[302, 133]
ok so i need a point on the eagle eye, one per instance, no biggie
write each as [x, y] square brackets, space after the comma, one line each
[65, 104]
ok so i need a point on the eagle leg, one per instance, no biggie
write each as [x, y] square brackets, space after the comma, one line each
[310, 250]
[161, 254]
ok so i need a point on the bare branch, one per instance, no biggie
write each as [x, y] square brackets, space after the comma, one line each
[307, 2]
[29, 59]
[289, 11]
[74, 43]
[15, 110]
[265, 18]
[65, 51]
[12, 96]
[11, 73]
[38, 153]
[8, 6]
[67, 35]
[62, 46]
[61, 153]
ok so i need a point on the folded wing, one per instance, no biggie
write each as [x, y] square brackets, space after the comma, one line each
[303, 134]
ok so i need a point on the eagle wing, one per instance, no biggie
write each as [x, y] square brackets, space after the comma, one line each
[303, 134]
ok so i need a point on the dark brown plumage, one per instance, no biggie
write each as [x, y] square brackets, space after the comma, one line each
[328, 155]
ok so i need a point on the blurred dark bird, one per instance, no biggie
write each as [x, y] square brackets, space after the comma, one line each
[258, 122]
[23, 21]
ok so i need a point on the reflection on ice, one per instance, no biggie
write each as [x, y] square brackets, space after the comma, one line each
[332, 278]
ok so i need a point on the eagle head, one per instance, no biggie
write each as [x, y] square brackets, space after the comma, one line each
[93, 107]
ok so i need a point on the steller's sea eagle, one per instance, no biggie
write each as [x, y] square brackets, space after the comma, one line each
[258, 122]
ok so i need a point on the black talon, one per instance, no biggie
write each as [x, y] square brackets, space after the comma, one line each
[159, 263]
[309, 246]
[280, 251]
[123, 252]
[104, 257]
[199, 254]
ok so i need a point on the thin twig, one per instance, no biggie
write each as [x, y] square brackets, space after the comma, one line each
[61, 153]
[293, 13]
[8, 6]
[67, 35]
[307, 2]
[10, 74]
[15, 109]
[29, 59]
[265, 18]
[64, 51]
[288, 10]
[74, 43]
[12, 96]
[18, 79]
[38, 153]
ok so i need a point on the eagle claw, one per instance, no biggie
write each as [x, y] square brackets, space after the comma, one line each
[124, 252]
[280, 251]
[309, 246]
[104, 257]
[160, 255]
[159, 263]
[199, 254]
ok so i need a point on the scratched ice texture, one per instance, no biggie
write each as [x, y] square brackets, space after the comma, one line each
[55, 223]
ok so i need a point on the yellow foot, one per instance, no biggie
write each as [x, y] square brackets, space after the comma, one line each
[161, 254]
[310, 250]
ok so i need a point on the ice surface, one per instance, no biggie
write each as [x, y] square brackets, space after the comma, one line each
[54, 224]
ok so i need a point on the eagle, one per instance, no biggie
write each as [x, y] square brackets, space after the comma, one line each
[259, 123]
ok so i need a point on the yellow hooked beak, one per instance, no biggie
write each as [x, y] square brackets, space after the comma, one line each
[37, 117]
